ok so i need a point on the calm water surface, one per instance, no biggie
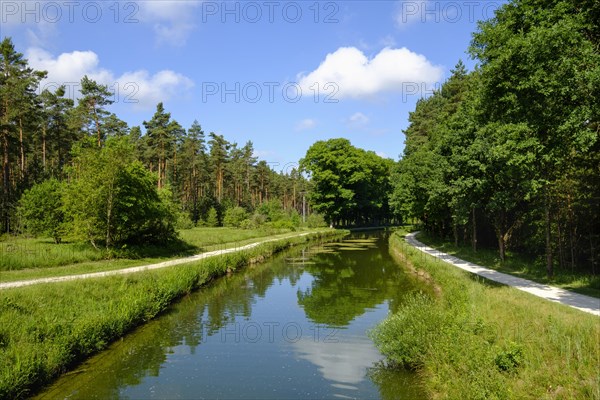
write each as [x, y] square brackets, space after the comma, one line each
[293, 328]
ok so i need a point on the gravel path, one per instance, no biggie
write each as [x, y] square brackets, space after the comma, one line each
[579, 301]
[164, 264]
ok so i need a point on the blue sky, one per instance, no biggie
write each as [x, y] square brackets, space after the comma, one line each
[282, 74]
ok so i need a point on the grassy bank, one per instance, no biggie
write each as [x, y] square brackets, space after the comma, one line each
[48, 328]
[22, 259]
[518, 265]
[474, 339]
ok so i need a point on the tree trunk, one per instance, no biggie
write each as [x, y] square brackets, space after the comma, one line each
[44, 146]
[501, 245]
[109, 207]
[159, 173]
[561, 256]
[6, 183]
[548, 221]
[474, 235]
[22, 148]
[455, 231]
[592, 255]
[97, 126]
[571, 233]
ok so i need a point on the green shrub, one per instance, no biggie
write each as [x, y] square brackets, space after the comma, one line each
[404, 337]
[40, 210]
[112, 198]
[509, 358]
[212, 219]
[235, 216]
[316, 221]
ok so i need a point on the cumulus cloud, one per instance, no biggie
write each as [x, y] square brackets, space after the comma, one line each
[139, 88]
[357, 76]
[172, 20]
[306, 124]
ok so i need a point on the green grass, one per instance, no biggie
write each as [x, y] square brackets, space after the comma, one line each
[518, 265]
[48, 328]
[478, 340]
[22, 259]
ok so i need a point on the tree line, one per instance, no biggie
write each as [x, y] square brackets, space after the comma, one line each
[88, 154]
[508, 154]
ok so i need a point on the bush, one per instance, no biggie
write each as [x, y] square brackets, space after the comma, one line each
[212, 219]
[113, 199]
[40, 210]
[510, 358]
[184, 221]
[272, 210]
[235, 216]
[316, 221]
[404, 337]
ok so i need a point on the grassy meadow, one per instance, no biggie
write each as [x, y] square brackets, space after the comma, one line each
[475, 339]
[24, 258]
[48, 328]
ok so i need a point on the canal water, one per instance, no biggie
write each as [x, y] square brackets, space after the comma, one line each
[292, 328]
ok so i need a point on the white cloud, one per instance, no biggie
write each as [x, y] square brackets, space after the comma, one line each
[388, 41]
[306, 124]
[358, 119]
[139, 88]
[172, 20]
[356, 76]
[339, 362]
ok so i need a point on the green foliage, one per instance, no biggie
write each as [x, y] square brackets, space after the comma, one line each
[474, 340]
[272, 210]
[404, 337]
[316, 220]
[510, 358]
[350, 185]
[235, 216]
[113, 200]
[43, 131]
[213, 217]
[41, 210]
[82, 318]
[507, 155]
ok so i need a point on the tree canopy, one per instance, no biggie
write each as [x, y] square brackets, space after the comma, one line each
[114, 172]
[350, 184]
[510, 152]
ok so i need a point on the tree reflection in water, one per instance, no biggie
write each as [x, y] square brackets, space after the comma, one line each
[347, 286]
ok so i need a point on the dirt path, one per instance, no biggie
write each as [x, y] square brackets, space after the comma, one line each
[149, 267]
[579, 301]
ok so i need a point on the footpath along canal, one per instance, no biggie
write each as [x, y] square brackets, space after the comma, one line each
[293, 327]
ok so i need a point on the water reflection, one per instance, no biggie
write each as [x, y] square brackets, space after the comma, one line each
[344, 363]
[350, 277]
[292, 328]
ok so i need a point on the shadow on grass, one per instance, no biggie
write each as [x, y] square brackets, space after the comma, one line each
[519, 265]
[173, 248]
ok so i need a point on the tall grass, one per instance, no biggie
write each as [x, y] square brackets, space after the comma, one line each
[46, 329]
[479, 340]
[20, 253]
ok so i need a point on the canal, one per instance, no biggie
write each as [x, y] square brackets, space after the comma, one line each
[294, 327]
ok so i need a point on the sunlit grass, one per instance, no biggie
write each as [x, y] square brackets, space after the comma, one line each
[22, 258]
[478, 339]
[46, 329]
